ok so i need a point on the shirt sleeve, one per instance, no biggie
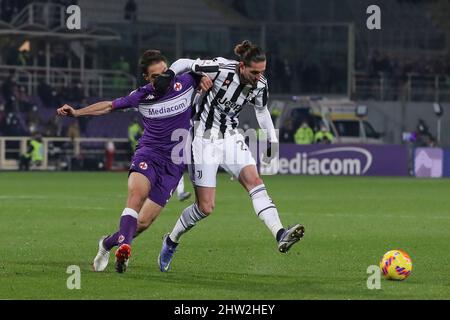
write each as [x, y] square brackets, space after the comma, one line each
[195, 79]
[260, 100]
[132, 100]
[263, 114]
[209, 68]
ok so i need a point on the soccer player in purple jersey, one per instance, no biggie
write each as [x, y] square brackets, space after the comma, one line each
[153, 175]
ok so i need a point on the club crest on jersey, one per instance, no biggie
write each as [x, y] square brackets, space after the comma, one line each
[143, 166]
[177, 86]
[121, 238]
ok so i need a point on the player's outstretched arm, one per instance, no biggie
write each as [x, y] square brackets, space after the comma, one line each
[206, 68]
[96, 109]
[202, 67]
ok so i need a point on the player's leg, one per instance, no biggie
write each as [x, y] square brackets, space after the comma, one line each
[190, 216]
[203, 175]
[203, 172]
[200, 209]
[240, 163]
[148, 214]
[263, 205]
[138, 190]
[266, 209]
[182, 195]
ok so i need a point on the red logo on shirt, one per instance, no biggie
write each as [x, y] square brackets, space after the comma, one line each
[143, 166]
[177, 86]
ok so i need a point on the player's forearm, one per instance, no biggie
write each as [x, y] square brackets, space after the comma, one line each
[265, 122]
[96, 109]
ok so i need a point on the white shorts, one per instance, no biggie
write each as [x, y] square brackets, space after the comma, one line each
[231, 153]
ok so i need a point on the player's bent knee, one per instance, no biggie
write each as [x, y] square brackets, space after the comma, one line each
[257, 181]
[144, 223]
[136, 200]
[206, 208]
[253, 182]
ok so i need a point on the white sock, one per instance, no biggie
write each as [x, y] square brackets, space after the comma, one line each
[189, 218]
[265, 209]
[180, 187]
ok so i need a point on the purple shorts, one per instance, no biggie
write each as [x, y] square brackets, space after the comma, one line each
[162, 173]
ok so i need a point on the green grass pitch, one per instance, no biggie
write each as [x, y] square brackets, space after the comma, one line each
[49, 221]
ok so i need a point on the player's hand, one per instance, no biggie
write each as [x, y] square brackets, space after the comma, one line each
[162, 82]
[67, 111]
[205, 83]
[271, 153]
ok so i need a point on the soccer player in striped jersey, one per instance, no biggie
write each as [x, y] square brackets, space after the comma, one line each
[236, 84]
[153, 175]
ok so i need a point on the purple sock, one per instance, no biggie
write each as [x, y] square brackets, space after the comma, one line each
[127, 230]
[128, 226]
[111, 241]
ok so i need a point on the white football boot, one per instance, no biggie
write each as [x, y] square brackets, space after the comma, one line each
[102, 257]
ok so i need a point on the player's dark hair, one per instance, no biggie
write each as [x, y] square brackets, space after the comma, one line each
[248, 52]
[150, 57]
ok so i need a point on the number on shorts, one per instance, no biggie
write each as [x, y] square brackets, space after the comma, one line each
[243, 148]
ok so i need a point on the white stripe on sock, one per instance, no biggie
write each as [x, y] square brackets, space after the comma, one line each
[265, 209]
[188, 219]
[130, 212]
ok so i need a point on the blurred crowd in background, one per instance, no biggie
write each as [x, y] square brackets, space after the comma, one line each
[11, 8]
[21, 114]
[309, 59]
[399, 67]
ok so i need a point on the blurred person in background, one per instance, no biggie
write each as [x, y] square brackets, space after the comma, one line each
[182, 195]
[110, 151]
[424, 138]
[275, 113]
[304, 134]
[134, 134]
[34, 154]
[54, 127]
[287, 131]
[324, 135]
[73, 131]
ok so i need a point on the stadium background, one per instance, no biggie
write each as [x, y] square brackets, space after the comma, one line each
[317, 50]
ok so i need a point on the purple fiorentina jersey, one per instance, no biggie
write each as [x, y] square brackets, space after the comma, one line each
[162, 116]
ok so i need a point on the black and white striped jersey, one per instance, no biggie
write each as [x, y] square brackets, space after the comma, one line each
[218, 109]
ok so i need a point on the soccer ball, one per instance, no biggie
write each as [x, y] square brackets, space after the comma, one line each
[396, 265]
